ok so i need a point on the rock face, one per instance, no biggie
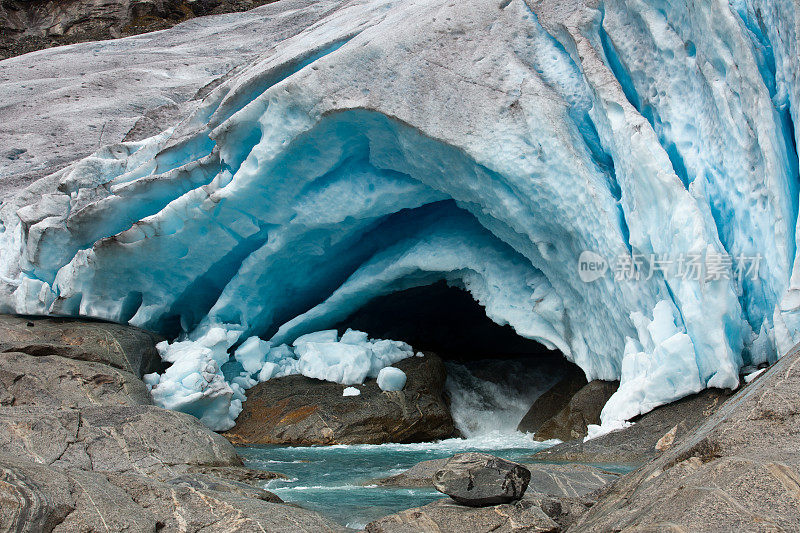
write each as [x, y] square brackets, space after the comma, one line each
[582, 409]
[56, 381]
[36, 498]
[140, 439]
[574, 480]
[738, 471]
[446, 516]
[124, 347]
[301, 411]
[643, 441]
[83, 449]
[570, 480]
[26, 25]
[479, 479]
[551, 402]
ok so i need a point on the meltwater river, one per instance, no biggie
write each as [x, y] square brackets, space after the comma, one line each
[337, 481]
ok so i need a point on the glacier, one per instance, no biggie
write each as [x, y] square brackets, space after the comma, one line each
[386, 145]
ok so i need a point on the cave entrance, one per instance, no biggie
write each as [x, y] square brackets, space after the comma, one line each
[494, 375]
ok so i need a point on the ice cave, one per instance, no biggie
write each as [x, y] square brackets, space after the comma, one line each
[482, 148]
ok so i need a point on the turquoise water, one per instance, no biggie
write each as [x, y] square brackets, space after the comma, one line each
[335, 480]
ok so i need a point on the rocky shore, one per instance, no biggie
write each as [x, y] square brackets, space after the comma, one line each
[82, 448]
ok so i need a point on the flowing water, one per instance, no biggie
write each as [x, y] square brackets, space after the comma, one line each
[338, 481]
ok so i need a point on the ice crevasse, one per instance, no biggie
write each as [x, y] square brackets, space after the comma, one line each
[485, 143]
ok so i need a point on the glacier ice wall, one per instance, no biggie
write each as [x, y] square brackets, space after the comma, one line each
[489, 144]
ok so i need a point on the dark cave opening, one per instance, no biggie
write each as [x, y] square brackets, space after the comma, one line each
[493, 374]
[448, 321]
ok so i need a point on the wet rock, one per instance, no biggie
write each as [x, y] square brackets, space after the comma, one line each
[302, 411]
[124, 347]
[480, 479]
[419, 475]
[554, 400]
[583, 408]
[737, 471]
[446, 516]
[53, 381]
[639, 443]
[36, 498]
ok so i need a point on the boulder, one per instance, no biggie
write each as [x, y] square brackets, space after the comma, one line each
[480, 479]
[583, 408]
[650, 435]
[569, 480]
[143, 439]
[297, 410]
[446, 516]
[124, 347]
[36, 498]
[739, 470]
[53, 381]
[554, 400]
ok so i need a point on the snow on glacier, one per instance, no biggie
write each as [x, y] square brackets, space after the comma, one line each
[392, 145]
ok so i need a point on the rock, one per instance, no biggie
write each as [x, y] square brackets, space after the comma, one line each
[297, 410]
[551, 402]
[739, 470]
[446, 516]
[208, 482]
[53, 381]
[564, 510]
[239, 474]
[479, 479]
[569, 480]
[124, 347]
[35, 498]
[419, 475]
[637, 444]
[26, 26]
[142, 439]
[583, 409]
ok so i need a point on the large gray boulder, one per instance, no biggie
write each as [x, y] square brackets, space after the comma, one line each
[124, 347]
[298, 410]
[36, 498]
[142, 439]
[54, 381]
[480, 479]
[738, 471]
